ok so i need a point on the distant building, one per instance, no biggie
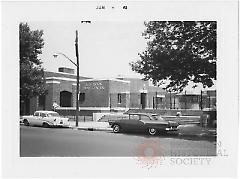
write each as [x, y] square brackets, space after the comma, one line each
[204, 98]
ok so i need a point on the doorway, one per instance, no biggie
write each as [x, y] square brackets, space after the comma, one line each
[65, 99]
[143, 100]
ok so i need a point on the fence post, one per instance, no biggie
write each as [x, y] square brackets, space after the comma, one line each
[209, 101]
[156, 101]
[110, 105]
[154, 104]
[174, 101]
[170, 100]
[201, 101]
[185, 99]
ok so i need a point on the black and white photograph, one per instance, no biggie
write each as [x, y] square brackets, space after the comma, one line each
[111, 84]
[171, 102]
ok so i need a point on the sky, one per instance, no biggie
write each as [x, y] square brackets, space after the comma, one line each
[105, 47]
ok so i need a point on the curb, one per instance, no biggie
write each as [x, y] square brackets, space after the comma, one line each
[91, 129]
[202, 135]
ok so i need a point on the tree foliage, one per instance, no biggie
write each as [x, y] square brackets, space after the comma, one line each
[31, 71]
[178, 52]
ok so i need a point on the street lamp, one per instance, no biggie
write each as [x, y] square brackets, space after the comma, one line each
[55, 55]
[77, 65]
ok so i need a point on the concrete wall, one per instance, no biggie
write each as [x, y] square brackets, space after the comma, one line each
[168, 112]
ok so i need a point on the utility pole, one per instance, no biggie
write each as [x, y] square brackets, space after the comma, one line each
[77, 91]
[77, 65]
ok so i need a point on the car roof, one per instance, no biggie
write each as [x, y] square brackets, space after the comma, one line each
[46, 111]
[141, 114]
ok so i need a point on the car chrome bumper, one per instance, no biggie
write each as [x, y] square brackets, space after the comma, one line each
[59, 124]
[171, 129]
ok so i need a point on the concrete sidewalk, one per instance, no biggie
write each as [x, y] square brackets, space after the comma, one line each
[90, 125]
[192, 130]
[188, 130]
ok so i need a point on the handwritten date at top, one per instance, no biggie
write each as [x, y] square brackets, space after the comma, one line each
[104, 7]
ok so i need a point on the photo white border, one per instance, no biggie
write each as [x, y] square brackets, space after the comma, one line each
[226, 15]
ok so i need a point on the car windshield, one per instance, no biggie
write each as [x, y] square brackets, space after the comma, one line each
[157, 117]
[53, 114]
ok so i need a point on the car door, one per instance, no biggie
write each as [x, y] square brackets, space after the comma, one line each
[134, 123]
[146, 120]
[35, 119]
[42, 117]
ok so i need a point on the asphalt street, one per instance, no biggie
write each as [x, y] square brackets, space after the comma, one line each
[65, 142]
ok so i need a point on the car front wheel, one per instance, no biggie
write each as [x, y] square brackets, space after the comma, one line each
[46, 125]
[116, 128]
[26, 123]
[152, 131]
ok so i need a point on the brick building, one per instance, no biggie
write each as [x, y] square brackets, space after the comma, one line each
[145, 96]
[96, 95]
[120, 94]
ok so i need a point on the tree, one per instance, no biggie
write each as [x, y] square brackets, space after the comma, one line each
[178, 52]
[31, 71]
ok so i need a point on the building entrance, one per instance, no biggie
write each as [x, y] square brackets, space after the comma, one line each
[143, 100]
[65, 99]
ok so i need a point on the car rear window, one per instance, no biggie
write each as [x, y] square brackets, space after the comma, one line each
[145, 118]
[36, 114]
[134, 117]
[157, 117]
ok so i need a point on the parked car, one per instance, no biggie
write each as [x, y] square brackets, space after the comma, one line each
[151, 123]
[45, 119]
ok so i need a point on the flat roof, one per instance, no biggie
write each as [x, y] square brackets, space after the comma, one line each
[46, 111]
[70, 79]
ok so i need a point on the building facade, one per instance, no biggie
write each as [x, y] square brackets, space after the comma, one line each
[120, 94]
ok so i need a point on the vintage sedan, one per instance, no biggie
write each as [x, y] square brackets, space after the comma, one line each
[45, 119]
[150, 123]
